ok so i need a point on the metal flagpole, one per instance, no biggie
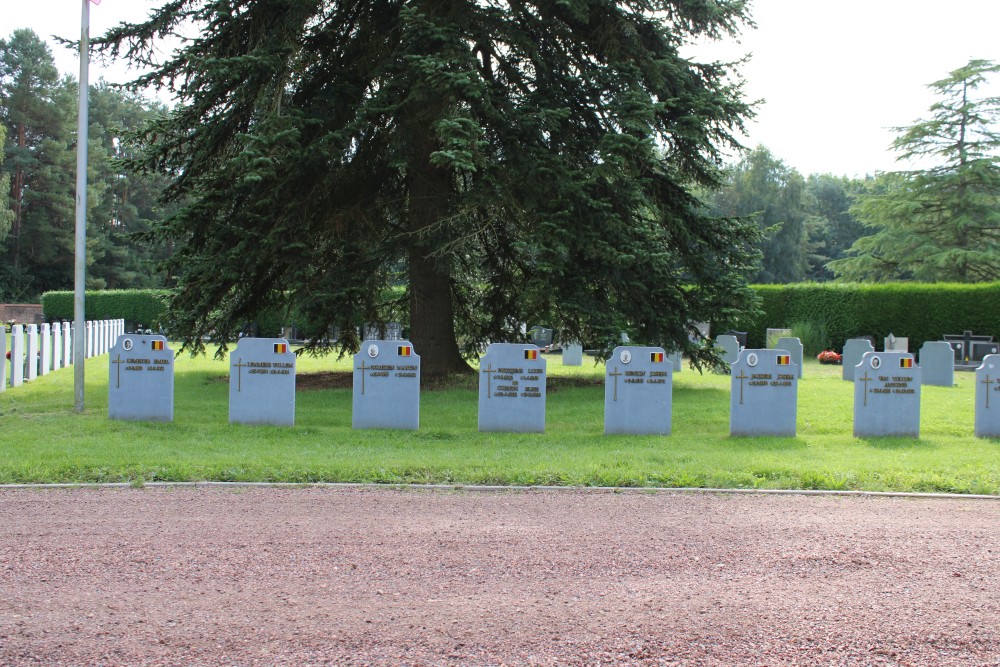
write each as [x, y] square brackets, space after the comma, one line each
[80, 276]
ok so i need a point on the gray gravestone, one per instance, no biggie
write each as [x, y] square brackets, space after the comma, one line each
[638, 391]
[988, 397]
[937, 364]
[141, 379]
[677, 361]
[764, 393]
[512, 389]
[31, 356]
[730, 348]
[792, 346]
[892, 343]
[262, 382]
[67, 344]
[386, 386]
[771, 337]
[572, 354]
[887, 395]
[854, 349]
[45, 350]
[16, 356]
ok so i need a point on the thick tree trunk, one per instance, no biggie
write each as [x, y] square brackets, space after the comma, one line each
[432, 316]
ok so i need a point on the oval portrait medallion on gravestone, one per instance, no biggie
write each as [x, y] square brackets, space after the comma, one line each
[373, 351]
[752, 360]
[875, 362]
[127, 344]
[625, 356]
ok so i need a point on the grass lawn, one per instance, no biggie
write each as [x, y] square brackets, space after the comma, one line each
[43, 440]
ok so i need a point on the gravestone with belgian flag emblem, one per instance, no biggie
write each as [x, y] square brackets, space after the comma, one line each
[638, 391]
[386, 386]
[141, 379]
[887, 395]
[262, 382]
[512, 380]
[763, 399]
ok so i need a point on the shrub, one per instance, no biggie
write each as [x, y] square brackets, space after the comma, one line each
[144, 306]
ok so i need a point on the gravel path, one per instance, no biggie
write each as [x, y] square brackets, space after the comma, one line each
[383, 577]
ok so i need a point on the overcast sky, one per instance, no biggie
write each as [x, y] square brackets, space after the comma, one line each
[835, 75]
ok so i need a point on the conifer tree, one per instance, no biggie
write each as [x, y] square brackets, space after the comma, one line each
[500, 163]
[941, 223]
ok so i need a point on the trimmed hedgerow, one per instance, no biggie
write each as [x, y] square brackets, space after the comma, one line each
[145, 306]
[922, 312]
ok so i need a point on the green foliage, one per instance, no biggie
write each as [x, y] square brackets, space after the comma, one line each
[514, 163]
[813, 337]
[941, 223]
[145, 307]
[921, 312]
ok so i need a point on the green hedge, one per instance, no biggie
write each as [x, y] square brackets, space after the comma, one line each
[143, 307]
[922, 312]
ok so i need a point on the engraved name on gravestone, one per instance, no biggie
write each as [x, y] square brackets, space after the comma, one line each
[638, 391]
[854, 349]
[988, 397]
[792, 346]
[937, 363]
[386, 386]
[512, 389]
[764, 392]
[730, 347]
[262, 382]
[141, 379]
[887, 395]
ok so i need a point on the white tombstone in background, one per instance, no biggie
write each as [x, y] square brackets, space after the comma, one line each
[67, 343]
[88, 343]
[892, 343]
[103, 348]
[45, 350]
[17, 356]
[32, 353]
[57, 346]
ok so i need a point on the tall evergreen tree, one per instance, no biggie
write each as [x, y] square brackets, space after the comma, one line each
[941, 223]
[523, 161]
[6, 213]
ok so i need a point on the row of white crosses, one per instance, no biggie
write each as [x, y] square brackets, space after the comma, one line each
[51, 348]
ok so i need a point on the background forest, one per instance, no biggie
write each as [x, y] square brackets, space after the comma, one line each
[939, 224]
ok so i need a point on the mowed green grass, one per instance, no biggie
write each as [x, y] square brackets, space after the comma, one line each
[43, 440]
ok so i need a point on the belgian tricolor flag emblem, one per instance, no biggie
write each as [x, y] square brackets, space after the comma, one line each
[784, 359]
[404, 350]
[656, 357]
[531, 354]
[280, 348]
[906, 363]
[157, 345]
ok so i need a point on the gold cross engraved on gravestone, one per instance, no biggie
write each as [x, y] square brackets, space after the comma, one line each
[489, 376]
[616, 375]
[118, 376]
[988, 382]
[742, 376]
[362, 368]
[239, 366]
[866, 380]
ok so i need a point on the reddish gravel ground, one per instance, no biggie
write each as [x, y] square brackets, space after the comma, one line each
[321, 576]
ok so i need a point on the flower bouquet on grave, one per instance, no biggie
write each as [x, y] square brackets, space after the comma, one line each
[829, 357]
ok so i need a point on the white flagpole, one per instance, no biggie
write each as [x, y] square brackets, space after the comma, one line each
[80, 276]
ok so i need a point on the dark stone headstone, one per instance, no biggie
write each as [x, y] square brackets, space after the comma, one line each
[141, 379]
